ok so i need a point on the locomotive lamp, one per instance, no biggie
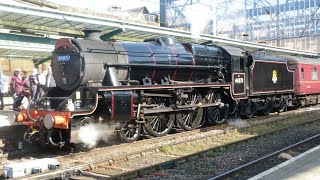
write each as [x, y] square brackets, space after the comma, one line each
[70, 105]
[77, 103]
[78, 95]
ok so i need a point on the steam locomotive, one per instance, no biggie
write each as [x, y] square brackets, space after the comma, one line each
[147, 88]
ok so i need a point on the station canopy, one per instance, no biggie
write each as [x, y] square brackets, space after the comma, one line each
[21, 21]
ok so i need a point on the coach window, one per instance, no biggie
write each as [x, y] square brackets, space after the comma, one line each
[314, 73]
[302, 73]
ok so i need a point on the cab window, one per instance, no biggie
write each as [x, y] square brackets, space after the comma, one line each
[238, 63]
[302, 73]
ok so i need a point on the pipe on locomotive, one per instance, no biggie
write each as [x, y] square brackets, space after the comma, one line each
[113, 76]
[28, 111]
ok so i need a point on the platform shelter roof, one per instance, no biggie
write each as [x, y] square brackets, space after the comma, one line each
[36, 21]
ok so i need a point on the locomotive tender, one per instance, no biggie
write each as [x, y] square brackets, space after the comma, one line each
[152, 86]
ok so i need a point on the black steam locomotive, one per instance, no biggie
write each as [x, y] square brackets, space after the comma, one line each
[152, 86]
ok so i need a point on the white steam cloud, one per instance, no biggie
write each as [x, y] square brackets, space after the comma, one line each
[198, 16]
[238, 122]
[92, 133]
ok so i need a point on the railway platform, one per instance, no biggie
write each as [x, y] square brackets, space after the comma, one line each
[7, 115]
[305, 166]
[8, 101]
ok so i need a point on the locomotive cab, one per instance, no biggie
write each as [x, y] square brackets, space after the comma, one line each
[238, 73]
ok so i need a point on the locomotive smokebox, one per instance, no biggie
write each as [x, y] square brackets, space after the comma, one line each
[92, 34]
[81, 62]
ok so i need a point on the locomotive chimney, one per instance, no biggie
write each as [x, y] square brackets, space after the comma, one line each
[92, 34]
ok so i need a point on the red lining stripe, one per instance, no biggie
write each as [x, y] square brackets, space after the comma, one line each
[127, 57]
[193, 61]
[175, 70]
[112, 105]
[154, 62]
[131, 105]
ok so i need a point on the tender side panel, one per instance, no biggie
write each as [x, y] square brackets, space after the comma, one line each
[270, 77]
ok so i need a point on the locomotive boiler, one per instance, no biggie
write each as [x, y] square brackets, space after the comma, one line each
[94, 62]
[147, 88]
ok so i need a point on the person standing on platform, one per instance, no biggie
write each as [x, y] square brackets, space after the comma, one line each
[3, 88]
[41, 77]
[50, 82]
[33, 81]
[17, 83]
[17, 86]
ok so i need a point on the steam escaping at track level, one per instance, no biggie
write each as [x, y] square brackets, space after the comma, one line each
[90, 134]
[237, 122]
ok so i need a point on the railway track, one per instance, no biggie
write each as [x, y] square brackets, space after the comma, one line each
[245, 168]
[11, 135]
[153, 170]
[109, 165]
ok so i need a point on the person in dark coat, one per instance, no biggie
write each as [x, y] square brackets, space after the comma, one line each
[33, 81]
[50, 82]
[41, 77]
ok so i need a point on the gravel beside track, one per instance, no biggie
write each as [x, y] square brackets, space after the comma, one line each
[124, 165]
[140, 146]
[249, 170]
[218, 161]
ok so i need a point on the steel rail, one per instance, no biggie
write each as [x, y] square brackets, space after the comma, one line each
[244, 166]
[182, 159]
[74, 169]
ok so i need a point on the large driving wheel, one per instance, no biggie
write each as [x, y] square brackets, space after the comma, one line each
[130, 131]
[159, 124]
[215, 113]
[190, 119]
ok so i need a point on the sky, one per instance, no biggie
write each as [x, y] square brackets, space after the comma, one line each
[101, 5]
[198, 14]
